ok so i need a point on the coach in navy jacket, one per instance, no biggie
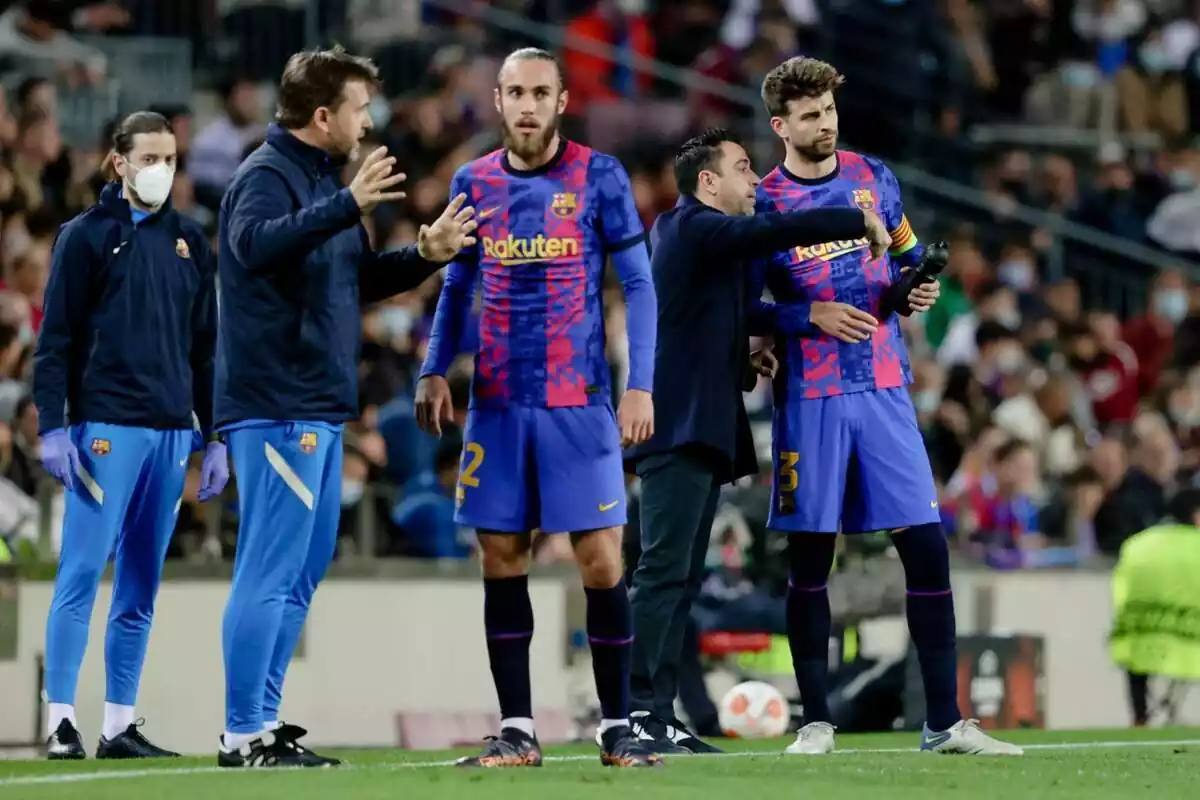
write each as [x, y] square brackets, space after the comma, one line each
[700, 252]
[700, 256]
[296, 268]
[118, 350]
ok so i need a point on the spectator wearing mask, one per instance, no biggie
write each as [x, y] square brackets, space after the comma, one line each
[1152, 335]
[1000, 362]
[1140, 499]
[1017, 269]
[1172, 224]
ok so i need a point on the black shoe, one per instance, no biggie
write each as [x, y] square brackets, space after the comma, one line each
[277, 748]
[512, 748]
[679, 734]
[132, 744]
[619, 747]
[65, 744]
[654, 735]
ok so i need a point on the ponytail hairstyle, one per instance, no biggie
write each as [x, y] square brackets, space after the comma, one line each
[123, 136]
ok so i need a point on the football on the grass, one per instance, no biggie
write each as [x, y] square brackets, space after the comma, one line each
[754, 710]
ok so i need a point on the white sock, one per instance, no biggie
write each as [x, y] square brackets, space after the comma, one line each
[271, 725]
[608, 724]
[59, 712]
[523, 724]
[116, 719]
[234, 741]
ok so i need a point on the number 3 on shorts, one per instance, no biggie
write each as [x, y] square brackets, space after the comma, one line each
[789, 479]
[473, 452]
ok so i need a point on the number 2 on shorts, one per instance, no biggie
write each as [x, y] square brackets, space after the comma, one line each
[473, 451]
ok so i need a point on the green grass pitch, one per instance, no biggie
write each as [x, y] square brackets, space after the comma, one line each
[1057, 764]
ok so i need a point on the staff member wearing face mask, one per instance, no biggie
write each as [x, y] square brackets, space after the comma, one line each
[123, 371]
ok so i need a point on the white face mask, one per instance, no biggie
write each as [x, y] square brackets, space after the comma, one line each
[152, 185]
[1009, 361]
[352, 492]
[1016, 273]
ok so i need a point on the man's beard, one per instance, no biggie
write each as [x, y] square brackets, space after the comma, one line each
[528, 149]
[341, 153]
[815, 153]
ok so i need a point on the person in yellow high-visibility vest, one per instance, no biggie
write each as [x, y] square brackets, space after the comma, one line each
[1156, 601]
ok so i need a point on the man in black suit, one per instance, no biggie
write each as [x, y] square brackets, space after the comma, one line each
[702, 439]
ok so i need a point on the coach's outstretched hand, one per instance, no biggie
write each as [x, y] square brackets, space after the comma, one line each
[635, 416]
[373, 180]
[877, 234]
[60, 457]
[433, 403]
[843, 322]
[214, 471]
[449, 233]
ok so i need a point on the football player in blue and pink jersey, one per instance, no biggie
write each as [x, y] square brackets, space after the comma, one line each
[848, 453]
[542, 443]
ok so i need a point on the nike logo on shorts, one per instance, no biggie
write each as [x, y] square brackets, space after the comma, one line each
[609, 506]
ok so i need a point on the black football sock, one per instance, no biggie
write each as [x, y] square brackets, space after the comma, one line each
[930, 610]
[810, 557]
[610, 634]
[508, 622]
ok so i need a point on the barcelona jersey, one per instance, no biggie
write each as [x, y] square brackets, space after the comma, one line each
[844, 272]
[544, 237]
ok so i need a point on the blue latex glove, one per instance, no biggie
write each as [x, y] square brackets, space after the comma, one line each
[214, 472]
[60, 457]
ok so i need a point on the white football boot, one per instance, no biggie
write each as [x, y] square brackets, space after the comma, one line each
[814, 739]
[965, 737]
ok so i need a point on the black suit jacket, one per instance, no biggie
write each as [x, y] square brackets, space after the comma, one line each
[699, 259]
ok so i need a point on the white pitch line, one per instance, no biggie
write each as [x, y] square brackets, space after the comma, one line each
[87, 777]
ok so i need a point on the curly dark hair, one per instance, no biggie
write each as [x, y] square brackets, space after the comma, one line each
[798, 78]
